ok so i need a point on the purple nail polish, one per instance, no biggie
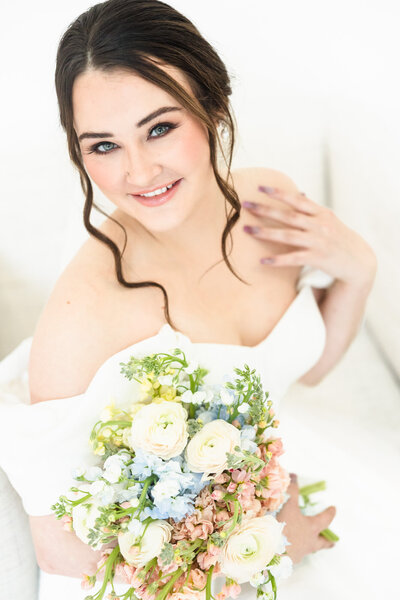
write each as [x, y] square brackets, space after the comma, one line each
[247, 204]
[267, 261]
[267, 189]
[251, 229]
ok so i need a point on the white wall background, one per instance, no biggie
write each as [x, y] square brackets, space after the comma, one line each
[316, 95]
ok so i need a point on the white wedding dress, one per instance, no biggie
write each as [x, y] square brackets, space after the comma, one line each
[52, 437]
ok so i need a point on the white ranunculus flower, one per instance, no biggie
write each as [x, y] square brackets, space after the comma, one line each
[206, 451]
[160, 428]
[83, 519]
[156, 535]
[251, 547]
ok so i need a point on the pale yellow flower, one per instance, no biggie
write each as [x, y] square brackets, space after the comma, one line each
[100, 449]
[167, 392]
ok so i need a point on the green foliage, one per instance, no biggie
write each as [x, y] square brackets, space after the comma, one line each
[243, 459]
[217, 539]
[193, 427]
[167, 554]
[248, 389]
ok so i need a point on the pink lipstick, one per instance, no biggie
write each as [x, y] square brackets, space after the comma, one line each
[159, 198]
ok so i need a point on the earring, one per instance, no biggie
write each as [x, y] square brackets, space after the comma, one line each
[224, 133]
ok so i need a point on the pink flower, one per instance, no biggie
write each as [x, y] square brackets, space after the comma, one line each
[254, 509]
[222, 515]
[87, 582]
[198, 525]
[136, 579]
[231, 487]
[126, 504]
[198, 578]
[276, 447]
[187, 593]
[143, 593]
[232, 590]
[125, 571]
[222, 478]
[218, 495]
[206, 560]
[66, 520]
[166, 569]
[240, 475]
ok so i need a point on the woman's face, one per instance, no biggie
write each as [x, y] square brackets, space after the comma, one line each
[124, 157]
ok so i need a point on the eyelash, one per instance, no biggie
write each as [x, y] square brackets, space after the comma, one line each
[95, 148]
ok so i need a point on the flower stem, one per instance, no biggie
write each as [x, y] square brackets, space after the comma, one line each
[166, 588]
[208, 584]
[318, 486]
[109, 564]
[305, 492]
[329, 535]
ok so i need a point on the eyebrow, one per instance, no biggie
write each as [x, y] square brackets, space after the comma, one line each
[150, 117]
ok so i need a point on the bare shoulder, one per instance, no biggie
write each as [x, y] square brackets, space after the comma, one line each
[249, 178]
[80, 324]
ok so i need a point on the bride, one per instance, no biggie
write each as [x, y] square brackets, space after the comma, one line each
[144, 101]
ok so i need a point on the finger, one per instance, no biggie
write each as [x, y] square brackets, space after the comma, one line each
[293, 237]
[324, 519]
[302, 257]
[322, 543]
[296, 199]
[290, 217]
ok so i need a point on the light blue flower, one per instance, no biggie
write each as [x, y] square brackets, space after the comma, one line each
[205, 416]
[248, 432]
[248, 445]
[176, 508]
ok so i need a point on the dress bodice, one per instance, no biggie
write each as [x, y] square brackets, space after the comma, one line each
[52, 436]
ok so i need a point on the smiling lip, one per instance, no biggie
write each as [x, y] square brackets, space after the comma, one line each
[159, 198]
[154, 188]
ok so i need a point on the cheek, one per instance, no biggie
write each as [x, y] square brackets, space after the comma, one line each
[192, 152]
[101, 172]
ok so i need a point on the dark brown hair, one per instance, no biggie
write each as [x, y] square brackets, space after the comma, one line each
[135, 35]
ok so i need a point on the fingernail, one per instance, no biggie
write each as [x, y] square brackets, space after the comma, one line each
[251, 229]
[293, 477]
[267, 189]
[267, 261]
[247, 204]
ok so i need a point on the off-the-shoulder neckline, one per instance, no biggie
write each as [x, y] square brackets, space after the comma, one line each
[169, 330]
[167, 327]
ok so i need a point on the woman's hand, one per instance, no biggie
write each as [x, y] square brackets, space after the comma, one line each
[303, 532]
[325, 242]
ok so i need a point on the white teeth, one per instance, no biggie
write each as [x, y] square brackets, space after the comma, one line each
[157, 192]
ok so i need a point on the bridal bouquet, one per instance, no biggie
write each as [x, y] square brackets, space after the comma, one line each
[186, 488]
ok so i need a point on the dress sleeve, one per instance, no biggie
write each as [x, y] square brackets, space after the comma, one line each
[40, 443]
[314, 278]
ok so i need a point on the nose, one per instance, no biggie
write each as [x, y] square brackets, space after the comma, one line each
[140, 167]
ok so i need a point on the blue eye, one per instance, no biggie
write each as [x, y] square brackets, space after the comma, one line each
[107, 147]
[162, 126]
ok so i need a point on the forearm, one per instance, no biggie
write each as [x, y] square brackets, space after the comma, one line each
[342, 309]
[61, 552]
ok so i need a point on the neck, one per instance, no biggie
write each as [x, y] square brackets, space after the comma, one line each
[194, 245]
